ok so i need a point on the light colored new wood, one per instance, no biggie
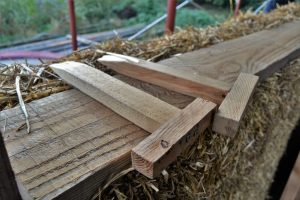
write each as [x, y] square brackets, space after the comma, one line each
[230, 112]
[133, 104]
[260, 53]
[73, 115]
[166, 76]
[163, 146]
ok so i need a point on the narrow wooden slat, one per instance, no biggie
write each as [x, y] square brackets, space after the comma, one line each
[162, 147]
[142, 109]
[230, 112]
[178, 80]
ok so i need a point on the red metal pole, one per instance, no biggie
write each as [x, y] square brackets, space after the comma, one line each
[73, 24]
[170, 21]
[237, 7]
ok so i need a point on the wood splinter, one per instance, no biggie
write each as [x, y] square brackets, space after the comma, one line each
[163, 146]
[228, 117]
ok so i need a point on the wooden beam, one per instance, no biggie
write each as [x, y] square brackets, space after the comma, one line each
[8, 185]
[178, 80]
[144, 110]
[231, 111]
[162, 147]
[261, 53]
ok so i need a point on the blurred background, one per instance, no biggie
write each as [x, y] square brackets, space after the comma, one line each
[27, 20]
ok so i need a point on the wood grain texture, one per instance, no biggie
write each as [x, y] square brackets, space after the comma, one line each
[227, 119]
[76, 143]
[78, 123]
[142, 109]
[260, 53]
[292, 188]
[8, 185]
[163, 146]
[178, 80]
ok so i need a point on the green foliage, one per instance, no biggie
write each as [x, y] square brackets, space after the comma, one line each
[20, 19]
[226, 3]
[27, 17]
[198, 18]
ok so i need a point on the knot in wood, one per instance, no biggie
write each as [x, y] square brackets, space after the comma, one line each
[164, 143]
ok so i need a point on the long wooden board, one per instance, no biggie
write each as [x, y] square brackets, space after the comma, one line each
[163, 146]
[75, 143]
[166, 76]
[260, 53]
[133, 104]
[230, 113]
[79, 124]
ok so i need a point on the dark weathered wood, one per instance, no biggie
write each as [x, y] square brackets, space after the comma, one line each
[178, 80]
[8, 185]
[231, 110]
[163, 146]
[144, 110]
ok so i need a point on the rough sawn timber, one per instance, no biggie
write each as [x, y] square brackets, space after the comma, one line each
[162, 147]
[178, 80]
[76, 143]
[260, 53]
[142, 109]
[230, 112]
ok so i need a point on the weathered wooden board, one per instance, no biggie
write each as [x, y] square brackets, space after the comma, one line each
[178, 80]
[260, 53]
[163, 146]
[73, 138]
[142, 109]
[73, 149]
[75, 144]
[227, 119]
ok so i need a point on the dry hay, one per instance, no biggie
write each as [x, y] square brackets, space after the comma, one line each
[216, 167]
[156, 49]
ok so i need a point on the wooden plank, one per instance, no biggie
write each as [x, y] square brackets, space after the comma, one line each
[260, 53]
[133, 104]
[8, 185]
[178, 80]
[66, 166]
[76, 143]
[162, 147]
[292, 188]
[231, 111]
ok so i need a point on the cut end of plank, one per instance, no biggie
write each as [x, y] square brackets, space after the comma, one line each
[112, 58]
[163, 146]
[232, 109]
[142, 165]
